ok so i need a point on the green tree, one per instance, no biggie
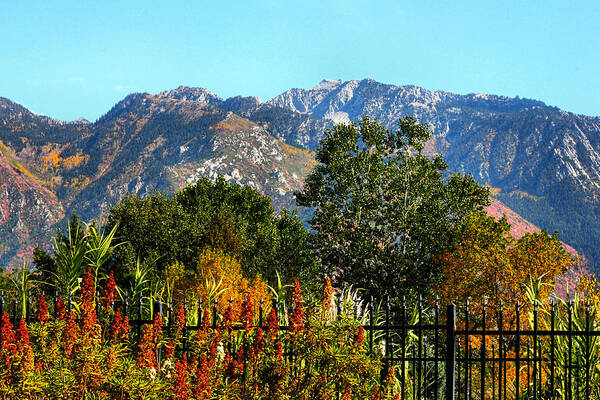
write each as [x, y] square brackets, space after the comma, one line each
[212, 215]
[382, 208]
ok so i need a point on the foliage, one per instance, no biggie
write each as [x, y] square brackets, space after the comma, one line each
[382, 207]
[212, 215]
[93, 358]
[219, 277]
[485, 263]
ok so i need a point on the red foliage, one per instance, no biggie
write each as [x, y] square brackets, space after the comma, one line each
[180, 320]
[181, 386]
[60, 309]
[120, 327]
[89, 317]
[22, 335]
[228, 317]
[7, 335]
[110, 290]
[42, 310]
[247, 313]
[201, 385]
[297, 316]
[360, 337]
[259, 342]
[272, 324]
[146, 355]
[70, 334]
[157, 328]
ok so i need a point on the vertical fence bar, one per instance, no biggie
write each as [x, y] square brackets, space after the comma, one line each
[587, 351]
[387, 338]
[414, 369]
[15, 311]
[200, 313]
[458, 364]
[517, 350]
[214, 312]
[482, 355]
[436, 318]
[570, 349]
[466, 352]
[420, 346]
[260, 313]
[371, 316]
[500, 343]
[552, 355]
[28, 309]
[493, 370]
[403, 350]
[535, 349]
[55, 303]
[1, 305]
[450, 350]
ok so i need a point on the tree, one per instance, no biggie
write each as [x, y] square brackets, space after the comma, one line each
[485, 262]
[212, 215]
[382, 208]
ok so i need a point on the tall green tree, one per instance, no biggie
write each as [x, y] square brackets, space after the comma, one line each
[382, 208]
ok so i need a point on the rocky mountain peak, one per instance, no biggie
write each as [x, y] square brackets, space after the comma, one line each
[327, 84]
[198, 94]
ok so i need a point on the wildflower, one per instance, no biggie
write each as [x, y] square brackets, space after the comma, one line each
[120, 326]
[110, 290]
[7, 335]
[259, 342]
[347, 394]
[228, 317]
[146, 355]
[87, 288]
[70, 334]
[157, 325]
[201, 385]
[181, 386]
[279, 348]
[327, 298]
[42, 310]
[22, 335]
[180, 320]
[360, 337]
[297, 315]
[272, 324]
[60, 309]
[247, 313]
[89, 317]
[169, 350]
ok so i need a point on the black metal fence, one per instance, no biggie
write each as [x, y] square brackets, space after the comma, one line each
[548, 351]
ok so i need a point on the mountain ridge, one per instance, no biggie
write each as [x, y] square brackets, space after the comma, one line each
[163, 141]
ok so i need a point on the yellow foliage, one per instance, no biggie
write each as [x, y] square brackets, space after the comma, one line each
[219, 276]
[53, 159]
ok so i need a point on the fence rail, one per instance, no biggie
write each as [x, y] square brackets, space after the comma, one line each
[487, 354]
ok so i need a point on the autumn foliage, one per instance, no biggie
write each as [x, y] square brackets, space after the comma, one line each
[486, 264]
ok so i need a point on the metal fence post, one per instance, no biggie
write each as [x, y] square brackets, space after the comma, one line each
[450, 350]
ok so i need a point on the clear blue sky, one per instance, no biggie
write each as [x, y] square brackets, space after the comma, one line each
[67, 59]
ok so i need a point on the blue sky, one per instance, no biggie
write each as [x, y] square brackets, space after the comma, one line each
[68, 59]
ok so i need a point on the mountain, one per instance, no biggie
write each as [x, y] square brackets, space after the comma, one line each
[49, 169]
[544, 162]
[164, 141]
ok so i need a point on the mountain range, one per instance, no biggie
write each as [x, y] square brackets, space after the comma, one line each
[542, 163]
